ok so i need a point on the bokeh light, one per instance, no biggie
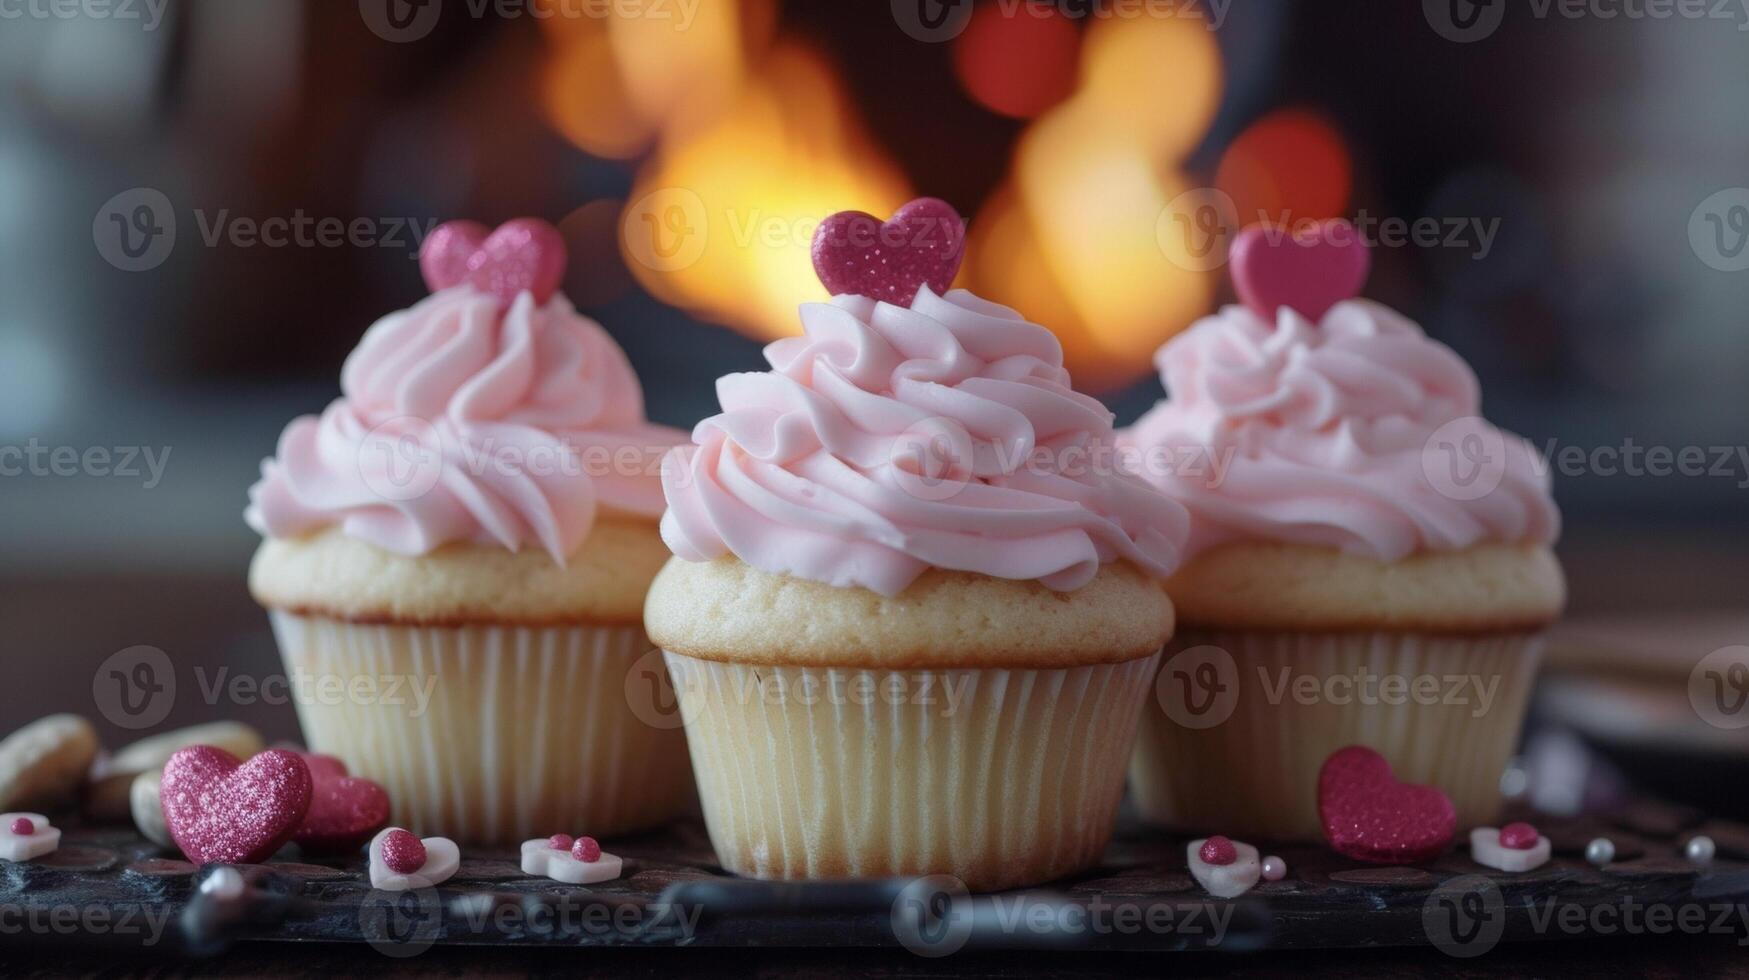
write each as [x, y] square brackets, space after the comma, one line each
[1017, 62]
[1291, 165]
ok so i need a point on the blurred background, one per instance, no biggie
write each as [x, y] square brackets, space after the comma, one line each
[203, 204]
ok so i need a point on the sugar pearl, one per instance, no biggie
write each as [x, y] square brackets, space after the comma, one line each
[1274, 868]
[1218, 850]
[402, 852]
[586, 850]
[559, 842]
[1700, 849]
[1518, 836]
[24, 826]
[1600, 851]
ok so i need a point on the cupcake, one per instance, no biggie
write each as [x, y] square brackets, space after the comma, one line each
[456, 554]
[1369, 561]
[915, 605]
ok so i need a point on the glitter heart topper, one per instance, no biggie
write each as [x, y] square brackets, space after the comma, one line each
[1369, 816]
[920, 245]
[525, 255]
[218, 809]
[1307, 271]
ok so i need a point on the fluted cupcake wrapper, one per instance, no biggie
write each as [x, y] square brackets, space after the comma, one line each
[1240, 723]
[998, 777]
[494, 734]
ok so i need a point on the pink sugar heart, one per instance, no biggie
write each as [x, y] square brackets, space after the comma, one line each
[1309, 271]
[921, 245]
[1369, 816]
[525, 255]
[218, 809]
[345, 811]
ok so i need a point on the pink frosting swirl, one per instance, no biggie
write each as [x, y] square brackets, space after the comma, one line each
[1339, 434]
[463, 421]
[887, 440]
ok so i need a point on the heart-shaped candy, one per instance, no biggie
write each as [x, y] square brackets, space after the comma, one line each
[345, 811]
[1235, 870]
[921, 245]
[525, 255]
[540, 857]
[27, 836]
[442, 858]
[219, 809]
[1369, 816]
[1308, 271]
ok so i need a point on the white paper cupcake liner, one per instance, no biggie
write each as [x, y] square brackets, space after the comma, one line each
[1240, 723]
[998, 777]
[493, 734]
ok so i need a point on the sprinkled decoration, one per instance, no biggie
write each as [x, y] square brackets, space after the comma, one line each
[922, 244]
[218, 809]
[23, 826]
[402, 852]
[1600, 851]
[1369, 816]
[1700, 849]
[1519, 836]
[27, 836]
[583, 863]
[1308, 270]
[1274, 868]
[525, 255]
[1218, 850]
[586, 850]
[560, 842]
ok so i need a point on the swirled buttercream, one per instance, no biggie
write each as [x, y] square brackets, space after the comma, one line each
[887, 440]
[463, 420]
[1358, 432]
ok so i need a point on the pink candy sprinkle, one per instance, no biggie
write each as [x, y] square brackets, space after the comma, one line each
[586, 850]
[1518, 836]
[1274, 868]
[402, 852]
[559, 842]
[24, 826]
[1218, 850]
